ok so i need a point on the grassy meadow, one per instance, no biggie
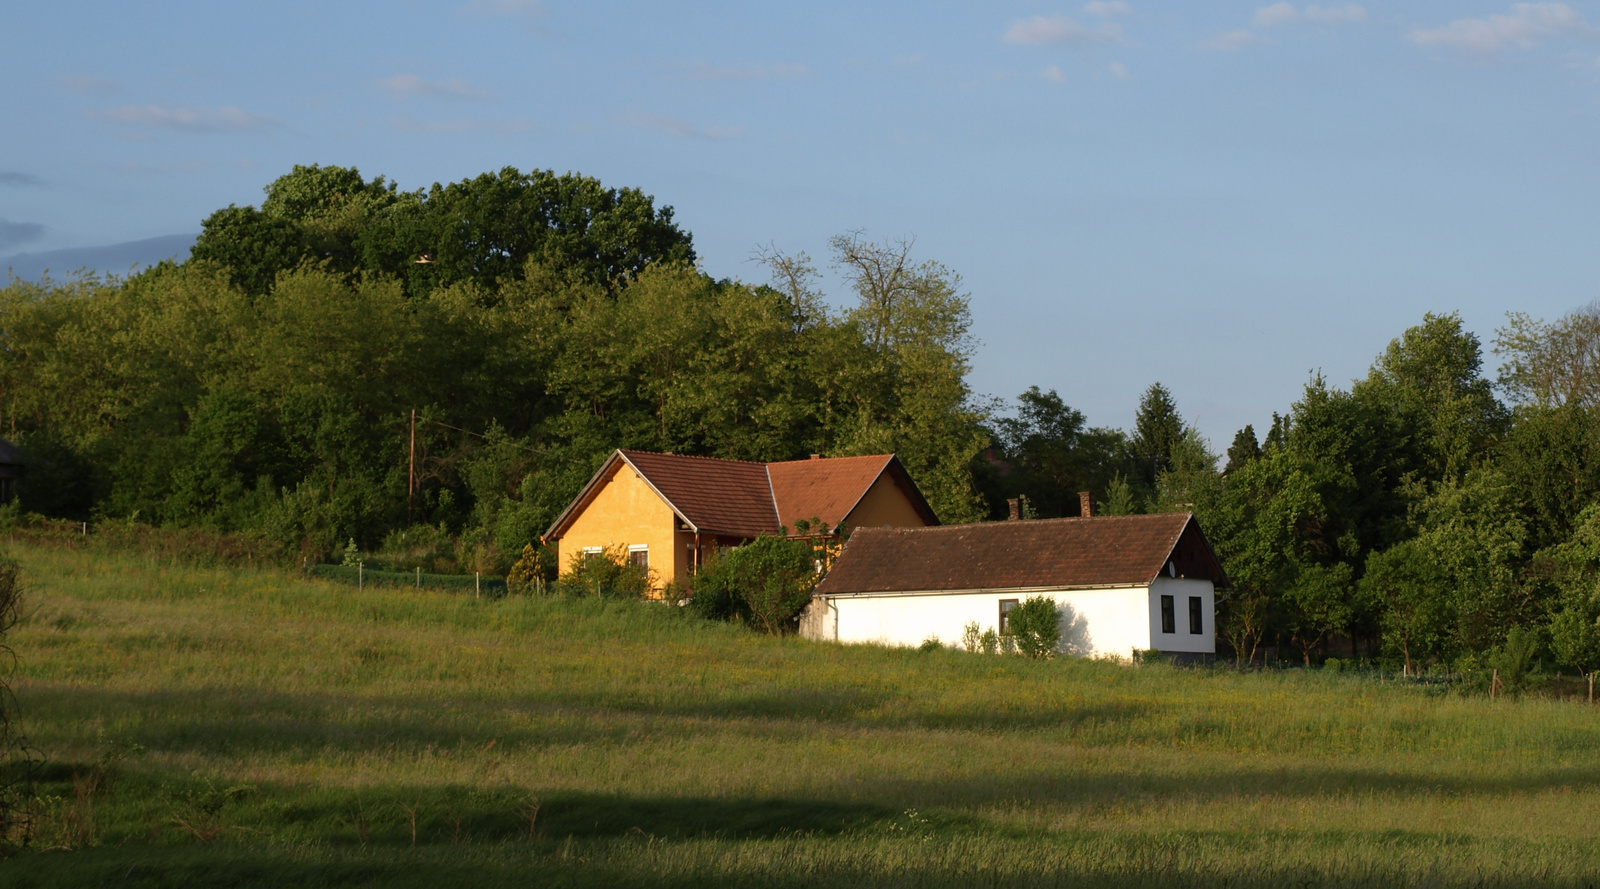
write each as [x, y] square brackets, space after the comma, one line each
[223, 726]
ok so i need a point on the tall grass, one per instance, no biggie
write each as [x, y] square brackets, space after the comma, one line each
[249, 727]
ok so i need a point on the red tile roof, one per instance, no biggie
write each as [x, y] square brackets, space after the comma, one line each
[1073, 552]
[744, 499]
[829, 489]
[722, 496]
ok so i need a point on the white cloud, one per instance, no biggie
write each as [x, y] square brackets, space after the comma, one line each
[186, 118]
[1276, 14]
[92, 86]
[1118, 70]
[1054, 75]
[410, 86]
[407, 124]
[1107, 10]
[1234, 40]
[1335, 15]
[704, 71]
[1285, 13]
[674, 126]
[1522, 28]
[507, 8]
[1058, 29]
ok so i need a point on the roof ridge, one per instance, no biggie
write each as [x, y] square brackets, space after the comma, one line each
[692, 457]
[820, 458]
[1023, 522]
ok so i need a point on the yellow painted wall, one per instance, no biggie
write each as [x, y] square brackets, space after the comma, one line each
[627, 511]
[884, 504]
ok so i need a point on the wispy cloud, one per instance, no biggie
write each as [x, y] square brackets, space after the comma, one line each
[19, 180]
[189, 166]
[15, 234]
[410, 86]
[1054, 75]
[674, 126]
[1334, 15]
[1118, 70]
[186, 118]
[706, 71]
[1233, 40]
[1286, 13]
[407, 124]
[1059, 30]
[1107, 10]
[1522, 28]
[90, 86]
[507, 8]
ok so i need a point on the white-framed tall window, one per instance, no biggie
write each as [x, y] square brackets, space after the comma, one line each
[639, 555]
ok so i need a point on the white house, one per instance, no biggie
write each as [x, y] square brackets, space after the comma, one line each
[1122, 583]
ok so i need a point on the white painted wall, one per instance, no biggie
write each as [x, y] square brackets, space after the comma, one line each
[1094, 622]
[1181, 589]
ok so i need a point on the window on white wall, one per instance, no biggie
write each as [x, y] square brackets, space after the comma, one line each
[1169, 619]
[1006, 607]
[1196, 625]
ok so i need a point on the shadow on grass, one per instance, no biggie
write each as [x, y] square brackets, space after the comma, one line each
[233, 721]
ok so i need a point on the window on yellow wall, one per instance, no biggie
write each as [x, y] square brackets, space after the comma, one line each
[639, 557]
[592, 552]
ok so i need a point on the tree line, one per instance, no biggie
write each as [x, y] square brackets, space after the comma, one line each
[533, 322]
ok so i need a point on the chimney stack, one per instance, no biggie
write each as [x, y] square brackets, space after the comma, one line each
[816, 456]
[1085, 505]
[1016, 509]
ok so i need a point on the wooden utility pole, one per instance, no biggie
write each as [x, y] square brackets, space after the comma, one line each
[411, 473]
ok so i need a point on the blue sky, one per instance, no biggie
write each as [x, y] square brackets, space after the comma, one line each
[1224, 197]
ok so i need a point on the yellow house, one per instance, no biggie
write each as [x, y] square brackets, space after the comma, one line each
[671, 512]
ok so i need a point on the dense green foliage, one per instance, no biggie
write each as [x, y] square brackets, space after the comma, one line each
[764, 583]
[250, 728]
[1036, 625]
[533, 322]
[266, 386]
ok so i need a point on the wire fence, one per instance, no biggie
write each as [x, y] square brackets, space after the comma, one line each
[361, 576]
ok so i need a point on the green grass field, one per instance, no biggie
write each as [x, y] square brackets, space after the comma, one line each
[247, 727]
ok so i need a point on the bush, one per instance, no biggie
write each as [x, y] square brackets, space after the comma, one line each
[766, 583]
[1036, 626]
[606, 573]
[11, 779]
[532, 571]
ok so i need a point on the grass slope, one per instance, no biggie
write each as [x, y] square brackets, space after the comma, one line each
[261, 729]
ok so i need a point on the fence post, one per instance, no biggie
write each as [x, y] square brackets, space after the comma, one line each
[419, 577]
[477, 585]
[361, 574]
[1494, 684]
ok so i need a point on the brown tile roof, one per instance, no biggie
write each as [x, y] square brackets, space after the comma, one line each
[721, 496]
[745, 499]
[1100, 550]
[829, 489]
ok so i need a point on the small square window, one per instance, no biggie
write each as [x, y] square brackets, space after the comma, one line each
[1196, 624]
[1169, 619]
[590, 553]
[1006, 607]
[639, 557]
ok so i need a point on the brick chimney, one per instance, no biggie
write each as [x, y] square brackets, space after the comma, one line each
[1016, 509]
[816, 456]
[1085, 505]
